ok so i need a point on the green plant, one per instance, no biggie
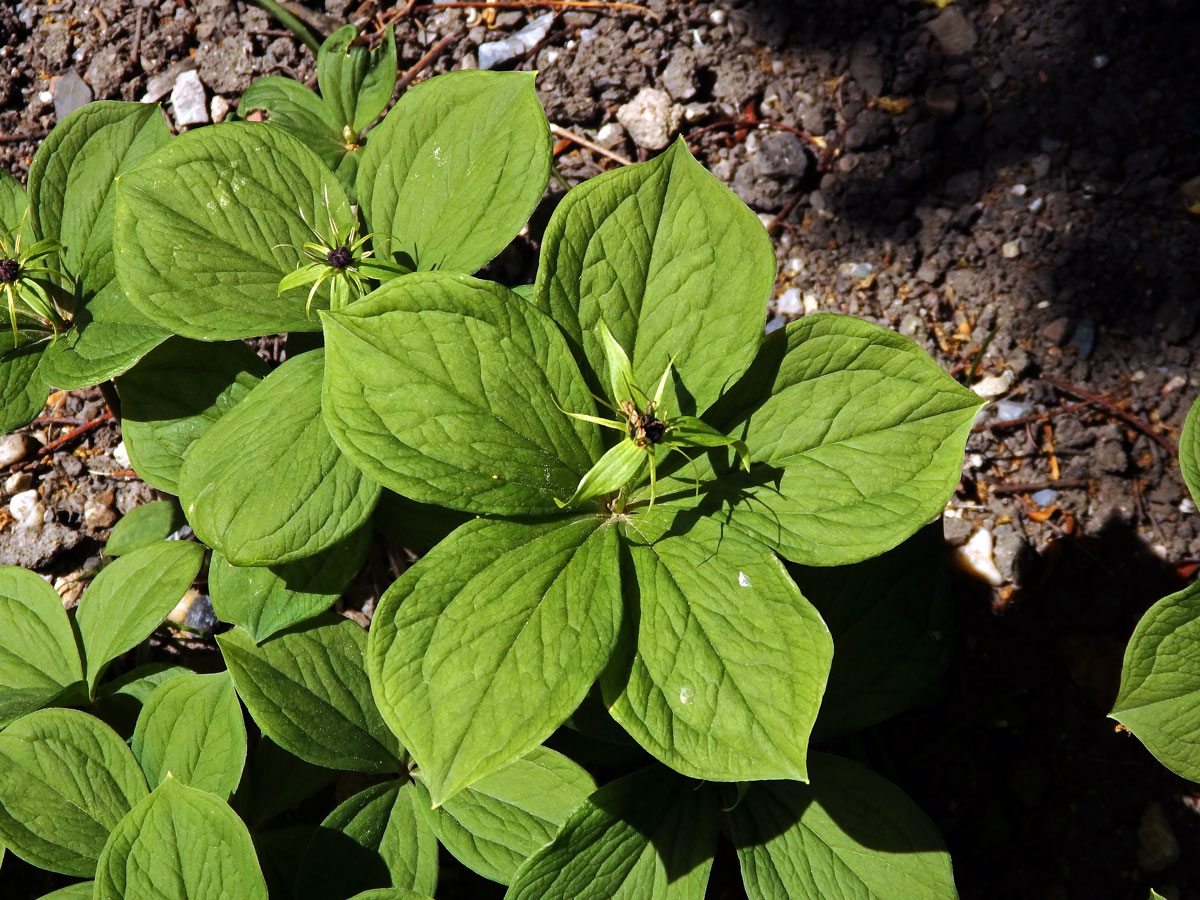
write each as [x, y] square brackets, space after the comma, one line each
[658, 596]
[1161, 670]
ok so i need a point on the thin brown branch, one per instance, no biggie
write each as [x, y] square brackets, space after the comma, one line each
[73, 435]
[591, 145]
[1031, 419]
[1114, 411]
[1034, 487]
[531, 4]
[18, 138]
[430, 55]
[816, 143]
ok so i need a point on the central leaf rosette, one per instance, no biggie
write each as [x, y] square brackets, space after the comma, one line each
[827, 443]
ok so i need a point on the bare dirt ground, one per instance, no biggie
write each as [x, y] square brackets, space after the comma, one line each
[1004, 169]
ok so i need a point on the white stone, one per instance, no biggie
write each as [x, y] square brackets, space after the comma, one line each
[993, 385]
[610, 133]
[17, 482]
[976, 558]
[121, 455]
[27, 508]
[97, 514]
[718, 16]
[811, 303]
[789, 303]
[1011, 249]
[218, 108]
[14, 448]
[651, 118]
[493, 53]
[187, 100]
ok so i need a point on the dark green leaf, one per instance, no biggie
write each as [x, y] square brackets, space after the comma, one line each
[299, 111]
[180, 843]
[23, 386]
[266, 484]
[191, 727]
[455, 169]
[356, 83]
[81, 891]
[66, 779]
[448, 390]
[499, 618]
[174, 395]
[649, 835]
[13, 204]
[307, 690]
[1189, 449]
[265, 600]
[674, 264]
[849, 834]
[276, 781]
[120, 701]
[144, 525]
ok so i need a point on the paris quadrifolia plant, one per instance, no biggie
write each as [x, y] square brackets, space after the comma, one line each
[656, 558]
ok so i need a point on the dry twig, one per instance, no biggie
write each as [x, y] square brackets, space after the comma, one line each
[591, 145]
[1113, 410]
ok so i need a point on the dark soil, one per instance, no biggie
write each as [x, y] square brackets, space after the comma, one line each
[1019, 171]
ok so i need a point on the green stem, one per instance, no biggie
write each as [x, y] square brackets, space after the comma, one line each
[293, 24]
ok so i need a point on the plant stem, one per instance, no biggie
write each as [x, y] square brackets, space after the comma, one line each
[293, 24]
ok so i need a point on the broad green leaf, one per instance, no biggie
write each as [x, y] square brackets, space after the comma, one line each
[1155, 895]
[502, 819]
[174, 395]
[849, 834]
[416, 526]
[1189, 449]
[130, 598]
[266, 484]
[143, 526]
[890, 620]
[453, 172]
[856, 441]
[23, 387]
[377, 838]
[119, 702]
[299, 111]
[264, 600]
[180, 843]
[723, 678]
[66, 779]
[72, 175]
[280, 854]
[649, 835]
[38, 655]
[81, 891]
[1159, 699]
[307, 690]
[489, 642]
[356, 83]
[616, 468]
[390, 894]
[672, 261]
[13, 204]
[207, 227]
[276, 781]
[449, 390]
[108, 337]
[191, 727]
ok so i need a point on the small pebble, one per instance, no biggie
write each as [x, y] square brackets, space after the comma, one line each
[717, 16]
[218, 108]
[1187, 506]
[14, 448]
[1099, 61]
[1019, 190]
[609, 134]
[976, 558]
[187, 100]
[789, 303]
[70, 93]
[98, 514]
[1044, 497]
[27, 508]
[121, 455]
[1174, 383]
[994, 385]
[17, 482]
[651, 118]
[1037, 204]
[811, 303]
[494, 53]
[1040, 165]
[1010, 409]
[1011, 249]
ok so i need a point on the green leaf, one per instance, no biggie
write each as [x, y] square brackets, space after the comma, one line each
[13, 204]
[180, 843]
[455, 169]
[616, 468]
[890, 620]
[448, 390]
[1189, 449]
[649, 835]
[66, 779]
[675, 264]
[80, 891]
[307, 690]
[143, 526]
[38, 655]
[356, 83]
[174, 395]
[723, 678]
[266, 484]
[277, 781]
[856, 441]
[299, 111]
[1160, 682]
[191, 727]
[267, 599]
[107, 338]
[849, 834]
[416, 526]
[120, 701]
[377, 838]
[72, 175]
[502, 819]
[130, 598]
[499, 617]
[207, 227]
[390, 894]
[23, 387]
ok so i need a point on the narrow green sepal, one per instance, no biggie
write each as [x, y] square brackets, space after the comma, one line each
[688, 431]
[620, 370]
[615, 469]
